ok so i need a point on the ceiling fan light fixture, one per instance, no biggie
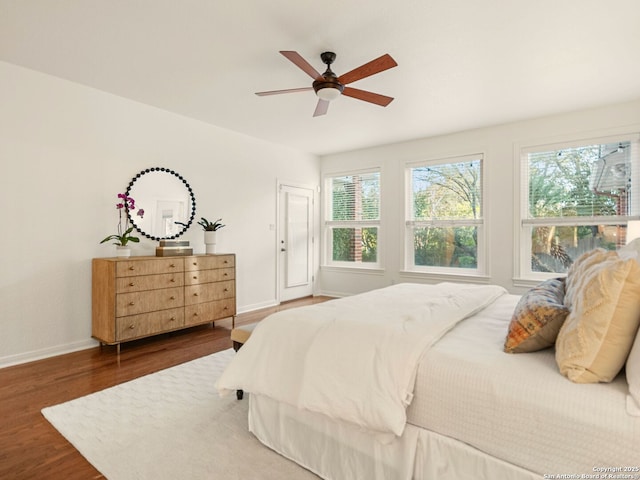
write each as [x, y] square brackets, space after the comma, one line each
[328, 92]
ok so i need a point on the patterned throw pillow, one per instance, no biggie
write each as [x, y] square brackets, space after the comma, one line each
[537, 318]
[594, 342]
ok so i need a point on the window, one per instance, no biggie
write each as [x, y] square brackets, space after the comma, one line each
[352, 219]
[576, 197]
[444, 224]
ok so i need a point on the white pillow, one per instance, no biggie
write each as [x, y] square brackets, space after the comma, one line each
[633, 378]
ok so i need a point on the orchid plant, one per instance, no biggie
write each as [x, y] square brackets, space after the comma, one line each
[125, 205]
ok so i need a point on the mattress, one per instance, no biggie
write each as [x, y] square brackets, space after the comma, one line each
[517, 407]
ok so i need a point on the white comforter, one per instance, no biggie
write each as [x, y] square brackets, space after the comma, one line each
[353, 359]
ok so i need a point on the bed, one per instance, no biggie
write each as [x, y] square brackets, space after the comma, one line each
[365, 401]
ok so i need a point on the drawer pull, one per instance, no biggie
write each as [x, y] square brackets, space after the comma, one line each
[173, 265]
[225, 274]
[195, 263]
[132, 326]
[226, 289]
[195, 314]
[172, 297]
[173, 280]
[195, 277]
[131, 303]
[195, 294]
[226, 261]
[131, 267]
[131, 284]
[172, 319]
[226, 308]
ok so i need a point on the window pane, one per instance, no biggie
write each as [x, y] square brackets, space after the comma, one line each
[593, 180]
[553, 249]
[446, 247]
[447, 191]
[356, 197]
[355, 244]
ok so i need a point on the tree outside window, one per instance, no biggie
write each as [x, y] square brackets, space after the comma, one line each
[579, 198]
[446, 213]
[354, 217]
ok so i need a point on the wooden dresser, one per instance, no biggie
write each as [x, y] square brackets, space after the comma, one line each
[137, 297]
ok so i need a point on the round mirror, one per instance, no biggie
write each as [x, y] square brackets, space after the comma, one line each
[167, 200]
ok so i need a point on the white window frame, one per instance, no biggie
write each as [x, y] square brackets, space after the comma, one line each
[329, 224]
[411, 223]
[524, 276]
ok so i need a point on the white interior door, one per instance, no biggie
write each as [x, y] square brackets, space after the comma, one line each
[295, 242]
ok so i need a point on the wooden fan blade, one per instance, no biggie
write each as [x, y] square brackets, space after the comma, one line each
[370, 97]
[321, 108]
[278, 92]
[301, 63]
[380, 64]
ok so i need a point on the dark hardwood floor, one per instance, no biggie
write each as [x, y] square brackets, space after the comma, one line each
[30, 448]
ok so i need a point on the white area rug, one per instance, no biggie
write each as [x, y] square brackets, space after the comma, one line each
[170, 425]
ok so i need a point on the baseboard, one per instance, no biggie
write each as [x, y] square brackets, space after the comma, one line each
[257, 306]
[329, 293]
[34, 355]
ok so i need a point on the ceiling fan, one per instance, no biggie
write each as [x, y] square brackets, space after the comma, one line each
[328, 86]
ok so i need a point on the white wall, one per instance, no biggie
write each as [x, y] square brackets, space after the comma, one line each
[499, 146]
[66, 151]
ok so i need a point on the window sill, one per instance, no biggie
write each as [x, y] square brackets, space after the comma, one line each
[447, 277]
[353, 269]
[532, 282]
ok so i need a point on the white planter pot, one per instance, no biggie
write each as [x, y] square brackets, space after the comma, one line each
[123, 251]
[210, 241]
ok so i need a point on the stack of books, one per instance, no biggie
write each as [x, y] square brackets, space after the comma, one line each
[173, 248]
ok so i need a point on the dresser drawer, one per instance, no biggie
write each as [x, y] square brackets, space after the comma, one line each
[207, 276]
[209, 312]
[207, 292]
[149, 267]
[146, 324]
[207, 262]
[148, 301]
[149, 282]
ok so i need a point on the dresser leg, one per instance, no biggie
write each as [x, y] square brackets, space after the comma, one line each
[118, 349]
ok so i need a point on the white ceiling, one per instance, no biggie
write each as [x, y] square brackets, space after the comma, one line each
[461, 63]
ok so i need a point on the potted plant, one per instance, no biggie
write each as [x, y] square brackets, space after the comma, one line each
[210, 229]
[124, 206]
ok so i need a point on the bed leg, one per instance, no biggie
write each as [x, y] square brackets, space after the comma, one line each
[236, 347]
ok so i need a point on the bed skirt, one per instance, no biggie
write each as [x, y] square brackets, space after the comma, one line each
[336, 450]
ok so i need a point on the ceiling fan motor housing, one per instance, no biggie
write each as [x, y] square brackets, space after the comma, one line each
[328, 82]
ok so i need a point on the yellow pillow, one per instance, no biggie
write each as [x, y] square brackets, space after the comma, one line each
[577, 271]
[595, 340]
